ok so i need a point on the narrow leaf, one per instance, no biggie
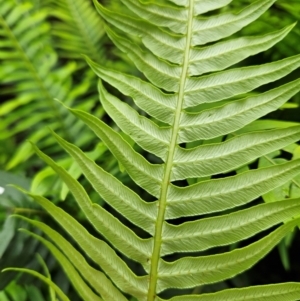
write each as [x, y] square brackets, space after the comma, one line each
[96, 278]
[204, 6]
[226, 229]
[83, 289]
[123, 239]
[223, 54]
[160, 15]
[143, 131]
[231, 117]
[46, 280]
[99, 251]
[225, 84]
[160, 42]
[141, 171]
[123, 199]
[275, 292]
[191, 271]
[150, 99]
[159, 72]
[222, 194]
[221, 26]
[212, 159]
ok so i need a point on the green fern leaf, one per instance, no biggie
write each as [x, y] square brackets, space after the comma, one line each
[30, 70]
[189, 96]
[79, 29]
[96, 278]
[274, 292]
[59, 292]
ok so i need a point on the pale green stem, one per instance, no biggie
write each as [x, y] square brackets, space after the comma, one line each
[169, 163]
[28, 211]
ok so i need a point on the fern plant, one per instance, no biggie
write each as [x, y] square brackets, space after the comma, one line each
[32, 76]
[78, 29]
[183, 48]
[34, 71]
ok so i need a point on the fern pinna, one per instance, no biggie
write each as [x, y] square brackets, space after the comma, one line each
[194, 108]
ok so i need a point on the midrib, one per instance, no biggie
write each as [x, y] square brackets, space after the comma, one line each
[169, 163]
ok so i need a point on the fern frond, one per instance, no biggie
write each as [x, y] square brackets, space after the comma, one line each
[79, 29]
[273, 292]
[189, 96]
[191, 271]
[83, 289]
[99, 251]
[118, 195]
[59, 292]
[119, 235]
[30, 65]
[94, 277]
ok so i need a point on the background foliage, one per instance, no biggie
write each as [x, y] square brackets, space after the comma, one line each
[41, 47]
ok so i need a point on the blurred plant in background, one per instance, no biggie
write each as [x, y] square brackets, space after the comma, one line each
[41, 48]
